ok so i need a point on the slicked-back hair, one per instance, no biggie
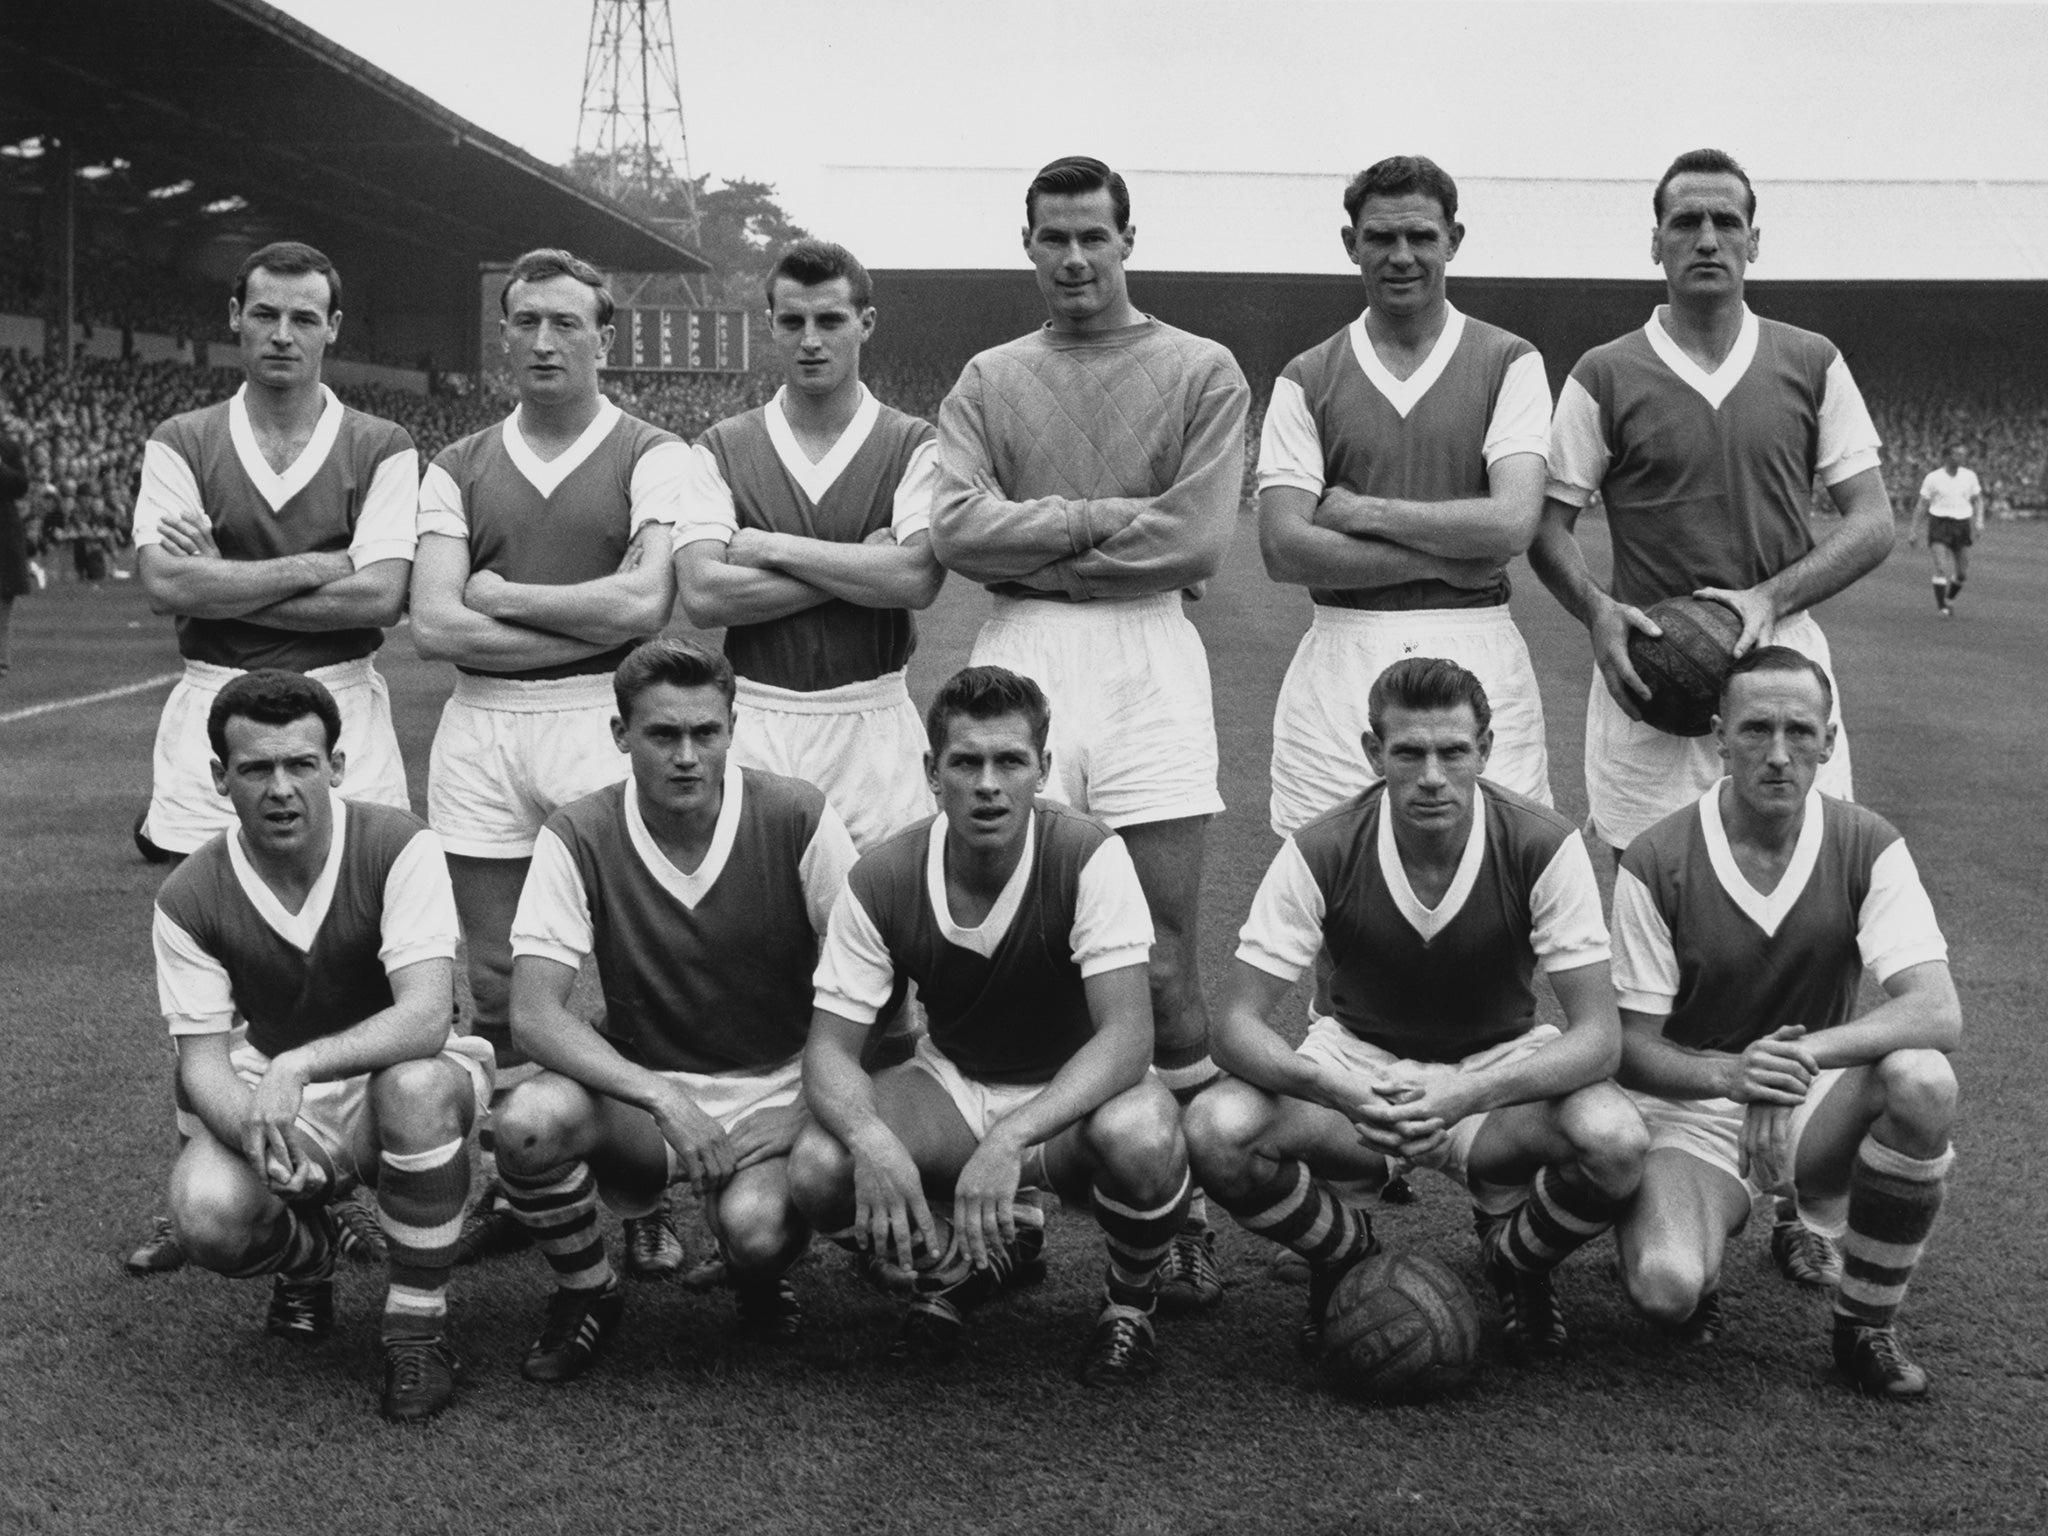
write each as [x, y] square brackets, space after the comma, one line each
[1425, 683]
[1781, 658]
[271, 697]
[678, 663]
[288, 258]
[987, 693]
[1076, 176]
[1704, 162]
[1397, 176]
[808, 263]
[550, 261]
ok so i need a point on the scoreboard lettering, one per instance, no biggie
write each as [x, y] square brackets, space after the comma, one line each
[680, 340]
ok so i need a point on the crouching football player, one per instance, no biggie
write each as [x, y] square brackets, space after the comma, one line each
[701, 889]
[329, 928]
[1438, 896]
[1024, 927]
[1742, 924]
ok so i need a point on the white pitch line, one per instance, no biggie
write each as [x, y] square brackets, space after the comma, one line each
[101, 697]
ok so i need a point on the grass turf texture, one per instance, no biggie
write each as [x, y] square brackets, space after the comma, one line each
[161, 1405]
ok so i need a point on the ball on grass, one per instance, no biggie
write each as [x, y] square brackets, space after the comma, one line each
[1685, 666]
[1399, 1328]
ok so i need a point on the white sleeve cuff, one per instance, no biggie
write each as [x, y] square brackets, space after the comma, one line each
[1521, 412]
[855, 973]
[388, 526]
[419, 907]
[1645, 962]
[658, 485]
[553, 918]
[1285, 926]
[1656, 1004]
[1896, 927]
[1112, 924]
[911, 511]
[1848, 441]
[441, 505]
[1290, 447]
[1578, 453]
[168, 489]
[823, 868]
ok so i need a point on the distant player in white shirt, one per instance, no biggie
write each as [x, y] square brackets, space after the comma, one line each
[305, 962]
[805, 534]
[1702, 433]
[1743, 925]
[1400, 470]
[1436, 896]
[1950, 513]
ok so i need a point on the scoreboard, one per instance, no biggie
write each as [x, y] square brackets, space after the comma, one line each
[680, 340]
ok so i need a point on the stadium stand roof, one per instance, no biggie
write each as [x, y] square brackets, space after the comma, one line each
[1562, 227]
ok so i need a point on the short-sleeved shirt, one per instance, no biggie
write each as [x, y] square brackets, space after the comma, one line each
[225, 945]
[707, 970]
[353, 487]
[1707, 476]
[1429, 983]
[1723, 964]
[1951, 495]
[1004, 999]
[559, 521]
[1339, 417]
[749, 471]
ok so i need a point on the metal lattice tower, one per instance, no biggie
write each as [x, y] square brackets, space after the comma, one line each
[631, 117]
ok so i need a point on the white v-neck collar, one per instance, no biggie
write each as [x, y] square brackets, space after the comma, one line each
[814, 480]
[1767, 912]
[1405, 394]
[1430, 921]
[1712, 387]
[984, 938]
[277, 489]
[545, 474]
[298, 929]
[689, 889]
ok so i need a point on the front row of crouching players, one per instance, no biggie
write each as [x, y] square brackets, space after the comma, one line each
[327, 929]
[701, 890]
[1436, 896]
[1023, 925]
[1742, 924]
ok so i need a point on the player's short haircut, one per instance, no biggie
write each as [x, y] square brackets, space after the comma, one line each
[1424, 683]
[271, 697]
[288, 258]
[1781, 658]
[1077, 176]
[1397, 176]
[808, 263]
[1704, 162]
[988, 693]
[678, 663]
[538, 266]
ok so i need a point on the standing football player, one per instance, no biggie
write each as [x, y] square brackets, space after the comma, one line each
[1950, 513]
[278, 527]
[1400, 470]
[1089, 476]
[305, 964]
[1437, 896]
[1743, 924]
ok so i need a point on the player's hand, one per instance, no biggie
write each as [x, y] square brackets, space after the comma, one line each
[885, 537]
[1758, 613]
[765, 1135]
[267, 1125]
[985, 483]
[891, 1218]
[753, 548]
[1767, 1147]
[1610, 627]
[1777, 1069]
[703, 1149]
[1424, 1100]
[484, 593]
[985, 1199]
[189, 536]
[1344, 511]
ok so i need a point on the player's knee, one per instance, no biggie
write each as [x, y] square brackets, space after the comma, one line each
[820, 1174]
[758, 1227]
[1137, 1140]
[1665, 1286]
[1607, 1137]
[1221, 1127]
[1919, 1089]
[533, 1127]
[217, 1219]
[419, 1098]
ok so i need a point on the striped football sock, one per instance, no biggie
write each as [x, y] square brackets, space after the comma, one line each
[1138, 1244]
[1563, 1212]
[1893, 1200]
[1299, 1211]
[296, 1245]
[420, 1196]
[559, 1212]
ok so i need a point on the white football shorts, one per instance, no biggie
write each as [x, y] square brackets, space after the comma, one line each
[508, 754]
[184, 808]
[1332, 1045]
[1319, 720]
[1711, 1130]
[863, 744]
[1133, 731]
[1636, 775]
[731, 1097]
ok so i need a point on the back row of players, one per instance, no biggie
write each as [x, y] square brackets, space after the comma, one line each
[1088, 475]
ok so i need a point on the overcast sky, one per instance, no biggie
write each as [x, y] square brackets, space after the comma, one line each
[782, 90]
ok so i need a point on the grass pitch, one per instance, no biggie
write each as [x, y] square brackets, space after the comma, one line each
[160, 1405]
